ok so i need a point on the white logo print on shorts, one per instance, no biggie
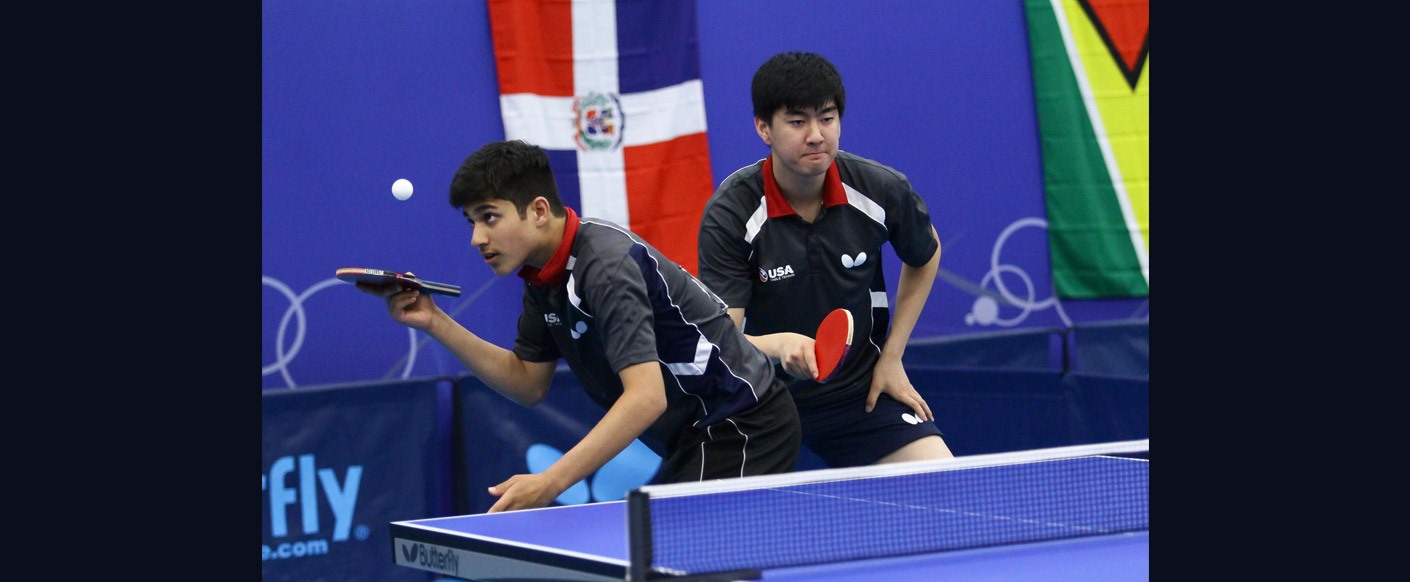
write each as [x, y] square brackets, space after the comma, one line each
[910, 418]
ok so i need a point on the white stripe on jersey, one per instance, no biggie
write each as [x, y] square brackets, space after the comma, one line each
[756, 222]
[702, 345]
[573, 298]
[878, 299]
[702, 359]
[868, 207]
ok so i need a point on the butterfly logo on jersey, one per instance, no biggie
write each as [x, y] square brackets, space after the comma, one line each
[579, 329]
[849, 262]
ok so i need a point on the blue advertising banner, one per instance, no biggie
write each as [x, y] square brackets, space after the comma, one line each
[1112, 348]
[1118, 408]
[341, 462]
[498, 438]
[995, 411]
[1015, 349]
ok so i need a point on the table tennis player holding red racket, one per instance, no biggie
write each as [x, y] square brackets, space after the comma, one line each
[831, 344]
[821, 356]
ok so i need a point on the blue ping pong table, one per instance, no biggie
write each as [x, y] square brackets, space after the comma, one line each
[1072, 519]
[589, 542]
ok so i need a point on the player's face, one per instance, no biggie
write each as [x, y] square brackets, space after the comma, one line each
[803, 141]
[505, 240]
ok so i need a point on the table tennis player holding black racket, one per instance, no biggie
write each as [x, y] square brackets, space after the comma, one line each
[383, 279]
[417, 312]
[585, 306]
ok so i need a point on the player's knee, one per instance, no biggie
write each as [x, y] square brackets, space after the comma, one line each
[924, 449]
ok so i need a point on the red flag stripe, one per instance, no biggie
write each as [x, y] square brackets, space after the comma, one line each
[668, 184]
[533, 46]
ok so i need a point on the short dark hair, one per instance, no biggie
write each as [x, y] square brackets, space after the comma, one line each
[506, 170]
[796, 80]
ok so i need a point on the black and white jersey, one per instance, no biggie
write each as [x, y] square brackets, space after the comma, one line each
[757, 253]
[612, 301]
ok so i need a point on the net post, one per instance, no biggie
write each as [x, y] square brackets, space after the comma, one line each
[639, 535]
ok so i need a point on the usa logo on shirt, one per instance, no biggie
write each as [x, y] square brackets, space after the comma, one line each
[776, 273]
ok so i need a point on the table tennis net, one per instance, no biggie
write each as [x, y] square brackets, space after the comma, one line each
[835, 515]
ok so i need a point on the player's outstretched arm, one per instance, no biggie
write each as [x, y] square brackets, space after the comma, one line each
[523, 382]
[642, 402]
[793, 350]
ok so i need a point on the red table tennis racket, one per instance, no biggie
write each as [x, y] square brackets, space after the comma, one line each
[380, 277]
[832, 342]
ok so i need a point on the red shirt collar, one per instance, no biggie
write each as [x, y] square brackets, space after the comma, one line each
[555, 271]
[833, 192]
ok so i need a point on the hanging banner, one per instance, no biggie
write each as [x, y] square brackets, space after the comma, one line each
[1091, 80]
[611, 90]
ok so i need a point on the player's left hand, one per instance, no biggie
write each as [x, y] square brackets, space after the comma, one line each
[890, 377]
[523, 492]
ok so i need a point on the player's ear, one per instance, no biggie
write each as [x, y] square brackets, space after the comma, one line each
[542, 210]
[762, 127]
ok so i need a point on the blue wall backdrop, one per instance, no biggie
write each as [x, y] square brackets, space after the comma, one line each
[358, 94]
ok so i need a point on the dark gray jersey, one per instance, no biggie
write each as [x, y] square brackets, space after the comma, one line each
[624, 303]
[787, 274]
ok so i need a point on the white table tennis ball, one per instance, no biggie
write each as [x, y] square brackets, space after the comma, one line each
[401, 189]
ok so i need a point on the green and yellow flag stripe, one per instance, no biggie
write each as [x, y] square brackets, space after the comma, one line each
[1091, 76]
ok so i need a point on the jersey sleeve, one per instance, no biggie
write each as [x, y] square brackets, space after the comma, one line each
[724, 255]
[533, 342]
[908, 224]
[614, 289]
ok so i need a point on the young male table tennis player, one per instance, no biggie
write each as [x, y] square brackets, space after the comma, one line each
[648, 342]
[798, 234]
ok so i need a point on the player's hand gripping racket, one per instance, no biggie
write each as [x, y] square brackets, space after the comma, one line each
[832, 342]
[380, 277]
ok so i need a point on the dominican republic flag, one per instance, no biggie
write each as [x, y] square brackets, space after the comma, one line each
[1091, 76]
[611, 90]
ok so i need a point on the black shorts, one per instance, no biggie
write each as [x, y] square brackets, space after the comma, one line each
[760, 441]
[844, 434]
